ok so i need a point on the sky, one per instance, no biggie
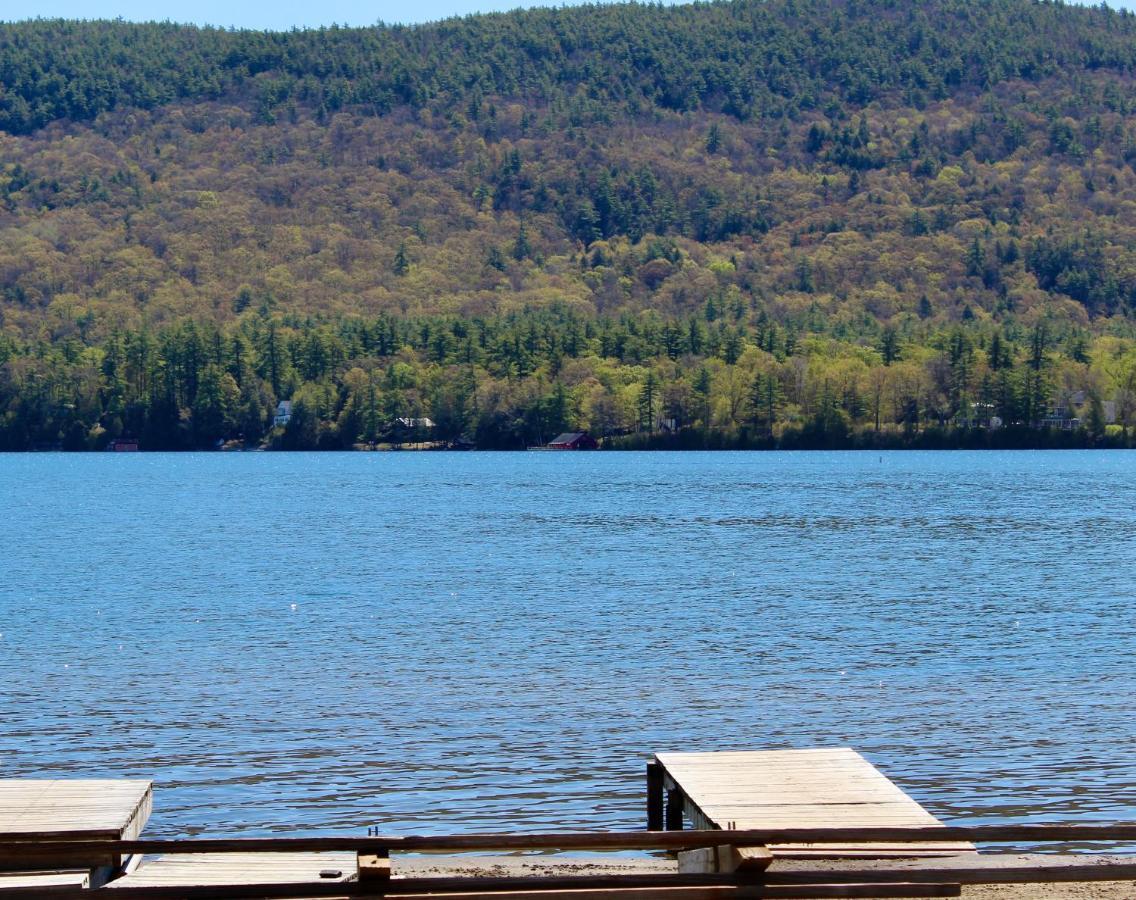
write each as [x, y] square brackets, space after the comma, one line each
[277, 15]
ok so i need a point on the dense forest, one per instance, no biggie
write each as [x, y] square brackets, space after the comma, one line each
[797, 223]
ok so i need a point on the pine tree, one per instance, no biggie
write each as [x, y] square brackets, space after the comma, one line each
[647, 401]
[521, 247]
[401, 263]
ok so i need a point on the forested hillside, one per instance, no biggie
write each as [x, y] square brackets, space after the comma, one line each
[794, 222]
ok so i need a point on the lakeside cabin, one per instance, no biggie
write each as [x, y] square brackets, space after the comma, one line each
[574, 440]
[283, 414]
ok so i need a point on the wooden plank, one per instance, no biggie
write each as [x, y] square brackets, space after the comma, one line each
[872, 851]
[813, 892]
[269, 892]
[720, 892]
[374, 868]
[240, 869]
[863, 883]
[539, 887]
[34, 883]
[873, 883]
[725, 859]
[614, 840]
[743, 859]
[702, 860]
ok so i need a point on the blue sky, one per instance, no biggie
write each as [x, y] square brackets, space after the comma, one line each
[271, 14]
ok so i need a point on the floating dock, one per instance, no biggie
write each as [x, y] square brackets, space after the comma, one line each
[784, 789]
[88, 809]
[71, 811]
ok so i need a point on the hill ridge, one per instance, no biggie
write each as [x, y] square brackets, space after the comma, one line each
[937, 191]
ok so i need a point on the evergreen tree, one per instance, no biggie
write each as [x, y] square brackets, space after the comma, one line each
[401, 264]
[648, 396]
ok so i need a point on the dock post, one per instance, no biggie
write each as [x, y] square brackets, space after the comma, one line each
[654, 796]
[674, 809]
[374, 868]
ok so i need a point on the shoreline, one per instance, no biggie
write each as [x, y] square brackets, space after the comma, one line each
[559, 865]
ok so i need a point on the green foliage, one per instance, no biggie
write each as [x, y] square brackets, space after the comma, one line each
[811, 54]
[790, 221]
[518, 379]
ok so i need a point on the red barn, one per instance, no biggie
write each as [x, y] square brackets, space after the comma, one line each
[574, 440]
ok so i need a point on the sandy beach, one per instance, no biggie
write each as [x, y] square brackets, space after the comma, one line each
[518, 866]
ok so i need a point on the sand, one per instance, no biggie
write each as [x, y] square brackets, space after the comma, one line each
[515, 866]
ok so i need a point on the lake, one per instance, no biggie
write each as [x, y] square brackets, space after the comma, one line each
[314, 644]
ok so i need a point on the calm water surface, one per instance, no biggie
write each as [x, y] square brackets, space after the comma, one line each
[456, 642]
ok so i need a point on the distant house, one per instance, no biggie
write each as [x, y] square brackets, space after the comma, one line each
[283, 413]
[1061, 418]
[573, 440]
[123, 445]
[409, 424]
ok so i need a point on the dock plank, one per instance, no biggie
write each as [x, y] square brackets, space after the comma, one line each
[206, 869]
[92, 808]
[23, 885]
[78, 810]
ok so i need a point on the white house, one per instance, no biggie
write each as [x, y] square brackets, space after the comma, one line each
[283, 413]
[409, 423]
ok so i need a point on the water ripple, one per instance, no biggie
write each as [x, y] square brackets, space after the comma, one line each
[300, 644]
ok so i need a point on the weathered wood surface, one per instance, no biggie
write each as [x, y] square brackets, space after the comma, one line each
[32, 884]
[608, 840]
[79, 809]
[813, 892]
[725, 858]
[239, 869]
[541, 887]
[787, 789]
[929, 880]
[373, 868]
[71, 813]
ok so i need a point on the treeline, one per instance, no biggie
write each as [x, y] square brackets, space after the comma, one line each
[704, 380]
[745, 223]
[747, 59]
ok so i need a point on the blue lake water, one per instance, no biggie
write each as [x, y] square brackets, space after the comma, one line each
[295, 643]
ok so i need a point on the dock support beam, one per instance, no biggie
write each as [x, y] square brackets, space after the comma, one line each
[654, 796]
[674, 809]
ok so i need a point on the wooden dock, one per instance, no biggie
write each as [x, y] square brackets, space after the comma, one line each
[747, 807]
[81, 809]
[71, 811]
[788, 789]
[228, 869]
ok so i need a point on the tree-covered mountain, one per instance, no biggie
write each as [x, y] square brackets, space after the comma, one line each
[747, 222]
